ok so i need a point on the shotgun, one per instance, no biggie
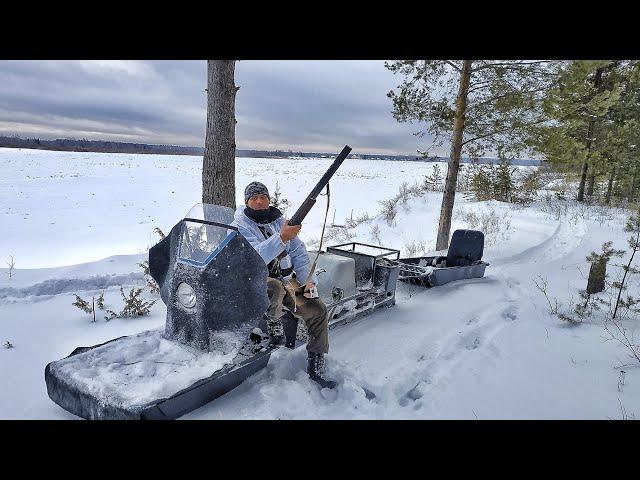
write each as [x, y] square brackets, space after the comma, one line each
[310, 201]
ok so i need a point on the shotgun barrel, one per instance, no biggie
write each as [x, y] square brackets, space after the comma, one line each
[310, 201]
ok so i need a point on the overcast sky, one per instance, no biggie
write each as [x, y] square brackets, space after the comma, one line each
[290, 105]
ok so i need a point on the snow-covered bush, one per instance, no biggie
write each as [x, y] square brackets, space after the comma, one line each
[555, 307]
[619, 310]
[152, 285]
[389, 210]
[404, 193]
[528, 186]
[596, 282]
[338, 233]
[554, 204]
[465, 173]
[354, 222]
[134, 306]
[375, 234]
[100, 300]
[415, 248]
[85, 306]
[496, 227]
[591, 300]
[433, 182]
[278, 201]
[504, 183]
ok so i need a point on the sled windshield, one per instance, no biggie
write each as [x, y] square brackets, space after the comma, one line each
[205, 231]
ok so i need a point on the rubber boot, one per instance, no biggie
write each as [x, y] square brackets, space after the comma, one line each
[315, 369]
[276, 331]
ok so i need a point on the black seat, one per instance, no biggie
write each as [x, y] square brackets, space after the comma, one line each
[466, 248]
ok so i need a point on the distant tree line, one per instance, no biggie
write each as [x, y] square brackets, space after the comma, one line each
[67, 144]
[73, 145]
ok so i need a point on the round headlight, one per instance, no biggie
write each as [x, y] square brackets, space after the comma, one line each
[186, 295]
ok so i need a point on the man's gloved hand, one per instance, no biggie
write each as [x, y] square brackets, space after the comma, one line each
[289, 232]
[310, 290]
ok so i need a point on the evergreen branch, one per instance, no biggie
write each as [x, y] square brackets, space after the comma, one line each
[509, 65]
[475, 106]
[509, 128]
[453, 65]
[476, 86]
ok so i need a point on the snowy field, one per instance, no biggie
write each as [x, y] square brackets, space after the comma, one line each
[483, 348]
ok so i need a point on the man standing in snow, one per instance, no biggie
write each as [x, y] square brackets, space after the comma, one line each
[285, 254]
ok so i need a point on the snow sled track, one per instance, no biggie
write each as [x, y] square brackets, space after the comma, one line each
[562, 242]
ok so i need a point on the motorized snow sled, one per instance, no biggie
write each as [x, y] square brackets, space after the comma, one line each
[463, 261]
[213, 283]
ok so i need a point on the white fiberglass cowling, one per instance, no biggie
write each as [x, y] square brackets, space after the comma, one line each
[199, 242]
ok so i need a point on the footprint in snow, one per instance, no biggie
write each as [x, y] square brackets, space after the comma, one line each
[415, 393]
[510, 313]
[472, 320]
[475, 344]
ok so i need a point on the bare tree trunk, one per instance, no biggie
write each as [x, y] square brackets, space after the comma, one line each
[583, 181]
[632, 188]
[607, 196]
[219, 162]
[448, 197]
[624, 277]
[589, 142]
[591, 184]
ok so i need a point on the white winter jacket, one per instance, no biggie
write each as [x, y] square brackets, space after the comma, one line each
[271, 247]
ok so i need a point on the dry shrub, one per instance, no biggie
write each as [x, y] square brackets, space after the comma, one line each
[389, 210]
[496, 227]
[416, 248]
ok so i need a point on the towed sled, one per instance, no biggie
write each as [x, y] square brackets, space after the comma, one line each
[463, 261]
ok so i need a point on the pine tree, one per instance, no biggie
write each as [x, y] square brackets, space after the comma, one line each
[479, 105]
[577, 109]
[503, 184]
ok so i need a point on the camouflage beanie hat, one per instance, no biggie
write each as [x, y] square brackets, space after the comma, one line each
[255, 188]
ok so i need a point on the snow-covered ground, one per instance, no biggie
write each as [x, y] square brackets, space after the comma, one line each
[482, 348]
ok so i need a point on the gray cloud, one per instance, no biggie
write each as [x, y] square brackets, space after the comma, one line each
[297, 105]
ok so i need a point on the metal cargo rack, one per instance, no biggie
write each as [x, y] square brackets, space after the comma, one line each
[365, 262]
